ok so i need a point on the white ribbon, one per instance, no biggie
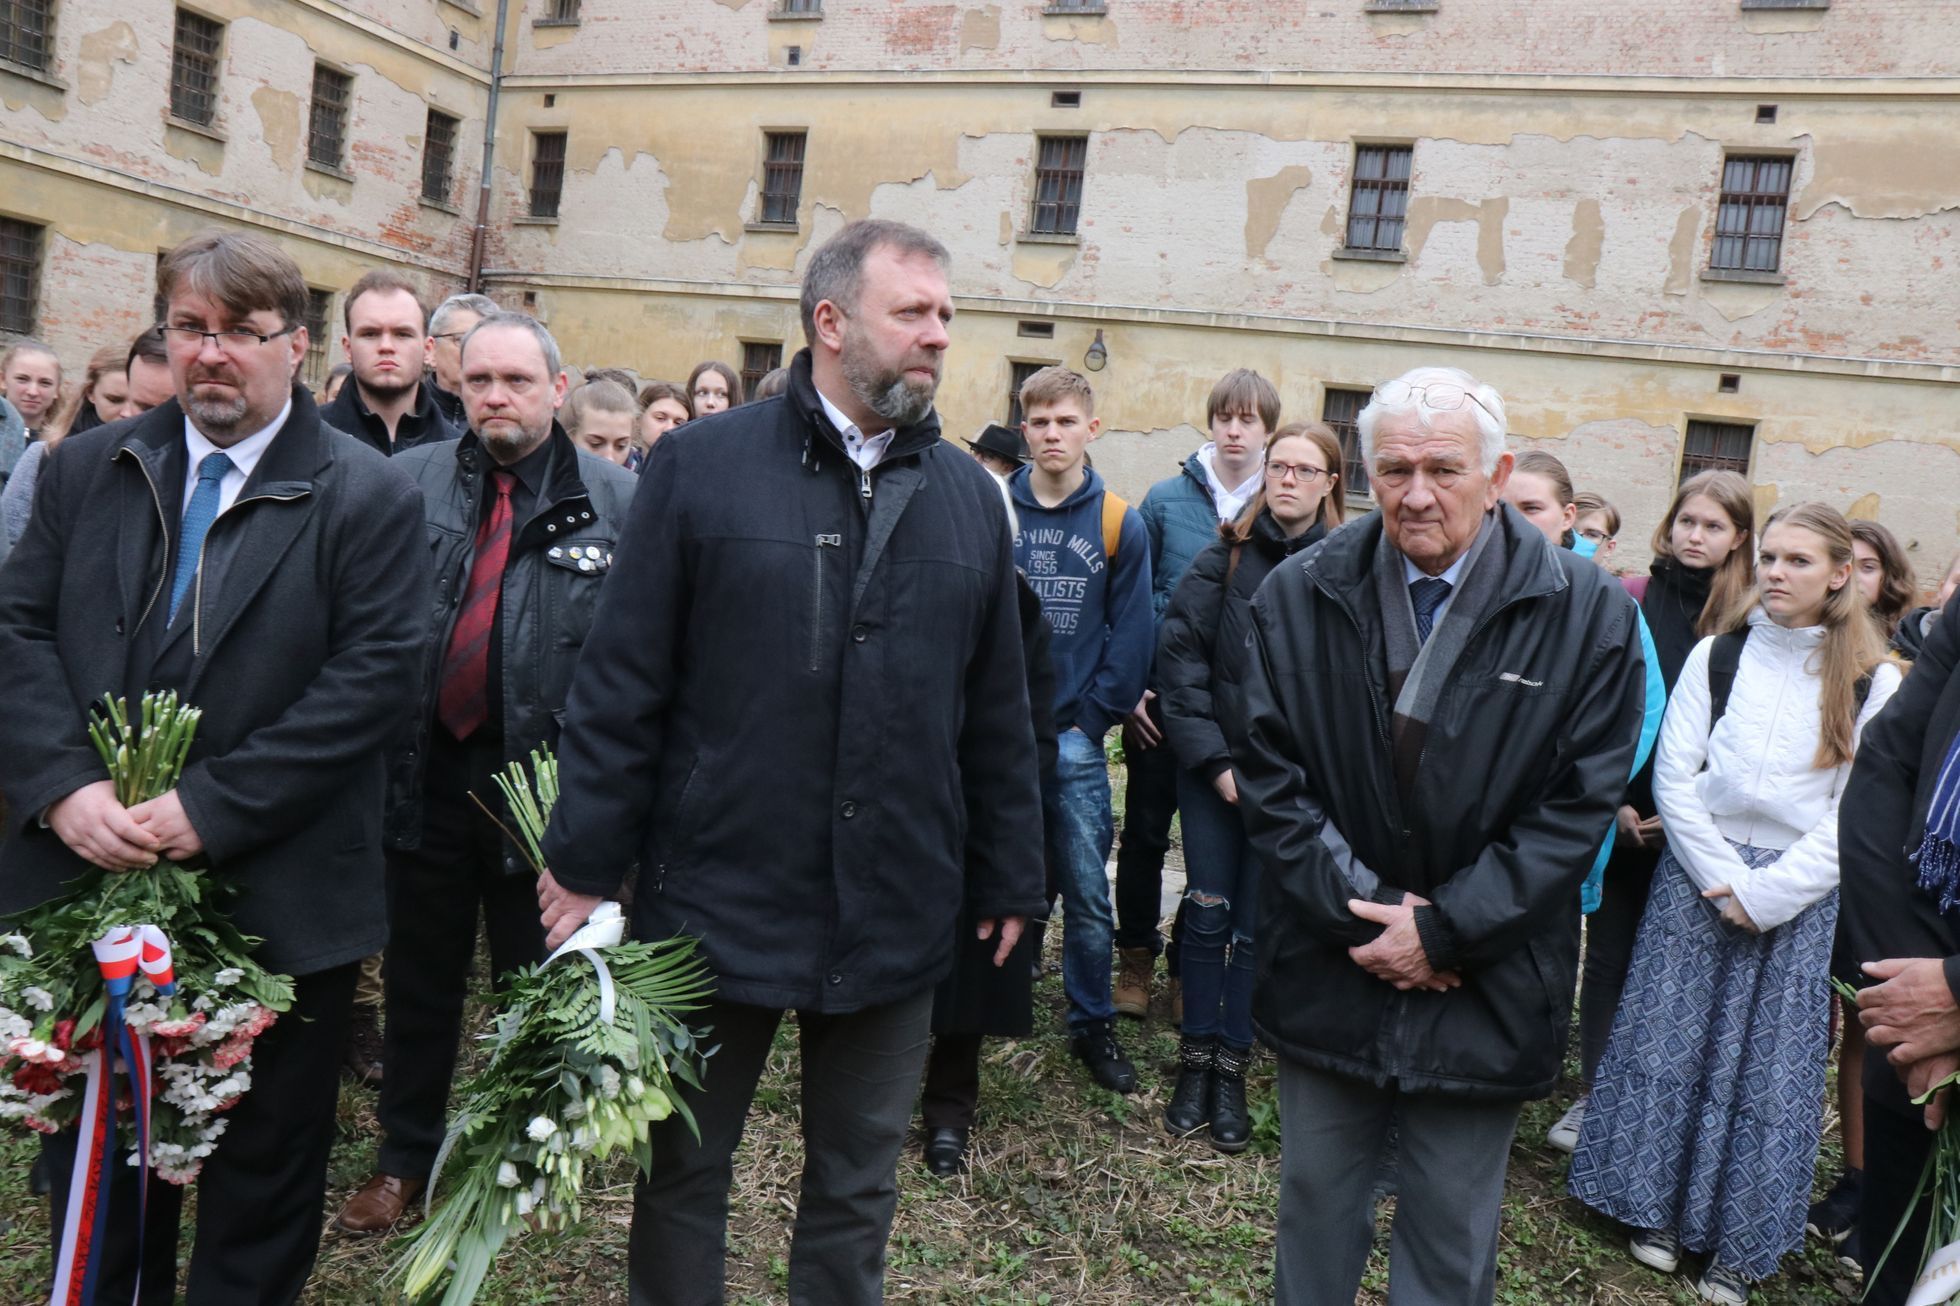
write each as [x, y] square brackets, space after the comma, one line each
[605, 927]
[1940, 1280]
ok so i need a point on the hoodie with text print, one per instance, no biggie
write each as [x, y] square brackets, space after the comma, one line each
[1099, 618]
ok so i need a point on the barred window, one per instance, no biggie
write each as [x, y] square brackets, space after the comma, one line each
[1058, 185]
[759, 359]
[1716, 447]
[547, 173]
[319, 311]
[20, 276]
[438, 156]
[799, 6]
[1339, 409]
[333, 94]
[782, 176]
[561, 11]
[1749, 223]
[194, 68]
[27, 33]
[1378, 201]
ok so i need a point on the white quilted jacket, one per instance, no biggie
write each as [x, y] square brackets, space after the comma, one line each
[1759, 786]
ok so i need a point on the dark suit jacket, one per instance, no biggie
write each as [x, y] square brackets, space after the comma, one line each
[1882, 818]
[302, 646]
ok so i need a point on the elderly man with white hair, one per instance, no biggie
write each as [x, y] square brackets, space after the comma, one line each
[1441, 713]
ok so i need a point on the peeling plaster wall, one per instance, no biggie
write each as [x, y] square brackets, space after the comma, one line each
[99, 161]
[1691, 38]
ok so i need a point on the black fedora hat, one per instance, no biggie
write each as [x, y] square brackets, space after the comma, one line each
[1001, 443]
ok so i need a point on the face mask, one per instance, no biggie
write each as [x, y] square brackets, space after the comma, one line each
[1584, 547]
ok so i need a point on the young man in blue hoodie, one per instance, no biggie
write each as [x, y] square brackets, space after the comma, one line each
[1085, 553]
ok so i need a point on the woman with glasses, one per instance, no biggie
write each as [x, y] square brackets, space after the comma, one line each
[1541, 489]
[1198, 667]
[1598, 527]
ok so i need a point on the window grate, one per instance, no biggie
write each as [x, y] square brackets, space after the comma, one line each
[333, 93]
[1058, 185]
[1749, 223]
[1378, 202]
[561, 11]
[782, 176]
[759, 359]
[27, 33]
[194, 68]
[1716, 447]
[799, 6]
[1017, 376]
[438, 156]
[1339, 409]
[20, 275]
[319, 309]
[547, 173]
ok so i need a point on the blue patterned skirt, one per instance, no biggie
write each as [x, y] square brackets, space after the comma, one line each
[1706, 1111]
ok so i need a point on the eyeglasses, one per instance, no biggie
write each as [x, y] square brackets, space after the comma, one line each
[1438, 397]
[449, 335]
[229, 341]
[1304, 473]
[1597, 537]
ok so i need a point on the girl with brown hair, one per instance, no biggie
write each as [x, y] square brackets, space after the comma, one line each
[1703, 1127]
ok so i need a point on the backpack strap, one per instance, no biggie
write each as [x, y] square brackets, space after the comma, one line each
[1723, 660]
[1113, 508]
[1635, 586]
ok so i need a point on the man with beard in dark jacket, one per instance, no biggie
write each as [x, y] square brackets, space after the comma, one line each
[812, 691]
[522, 527]
[1899, 859]
[1441, 711]
[386, 404]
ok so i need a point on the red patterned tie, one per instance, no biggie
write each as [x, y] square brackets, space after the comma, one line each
[463, 704]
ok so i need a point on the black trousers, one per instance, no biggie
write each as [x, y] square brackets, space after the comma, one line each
[952, 1089]
[1149, 803]
[260, 1195]
[860, 1072]
[1896, 1147]
[1609, 950]
[434, 896]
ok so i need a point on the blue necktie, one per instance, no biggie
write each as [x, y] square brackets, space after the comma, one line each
[198, 516]
[1425, 596]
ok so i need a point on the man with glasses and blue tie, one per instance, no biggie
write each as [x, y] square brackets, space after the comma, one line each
[229, 546]
[1441, 712]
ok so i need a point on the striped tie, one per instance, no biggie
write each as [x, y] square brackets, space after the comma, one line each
[463, 703]
[1425, 596]
[199, 513]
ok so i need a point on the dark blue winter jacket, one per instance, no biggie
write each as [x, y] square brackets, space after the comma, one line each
[1183, 522]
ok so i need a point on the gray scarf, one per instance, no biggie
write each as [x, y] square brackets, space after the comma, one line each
[1418, 671]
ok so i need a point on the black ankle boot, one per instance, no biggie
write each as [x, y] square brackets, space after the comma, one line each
[1190, 1108]
[1231, 1123]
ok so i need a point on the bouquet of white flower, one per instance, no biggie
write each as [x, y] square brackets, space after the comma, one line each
[585, 1053]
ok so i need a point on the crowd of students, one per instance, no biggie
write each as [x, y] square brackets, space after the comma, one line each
[1705, 1016]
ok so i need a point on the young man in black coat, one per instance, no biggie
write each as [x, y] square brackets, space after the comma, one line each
[228, 546]
[1891, 921]
[386, 404]
[811, 691]
[522, 527]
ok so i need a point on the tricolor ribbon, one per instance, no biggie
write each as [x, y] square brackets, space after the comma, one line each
[120, 954]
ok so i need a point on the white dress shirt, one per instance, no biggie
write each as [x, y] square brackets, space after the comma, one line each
[1452, 573]
[244, 457]
[867, 451]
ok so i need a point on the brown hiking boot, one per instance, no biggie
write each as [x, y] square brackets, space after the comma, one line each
[379, 1204]
[1132, 992]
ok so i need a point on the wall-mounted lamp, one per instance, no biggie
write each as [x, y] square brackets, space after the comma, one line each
[1098, 356]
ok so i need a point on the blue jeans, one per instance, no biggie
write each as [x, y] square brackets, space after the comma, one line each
[1221, 905]
[1080, 829]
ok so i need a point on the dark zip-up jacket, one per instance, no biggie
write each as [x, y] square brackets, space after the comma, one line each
[1523, 767]
[1182, 520]
[304, 639]
[1201, 646]
[809, 689]
[1882, 911]
[423, 424]
[559, 556]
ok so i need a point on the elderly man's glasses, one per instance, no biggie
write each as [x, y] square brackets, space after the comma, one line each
[1437, 397]
[231, 341]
